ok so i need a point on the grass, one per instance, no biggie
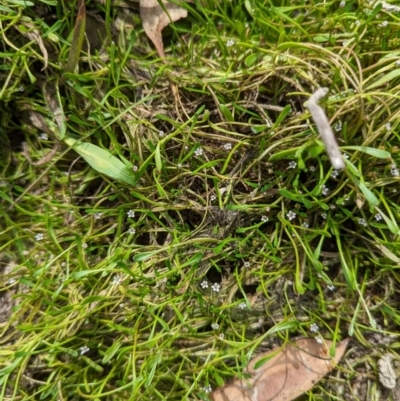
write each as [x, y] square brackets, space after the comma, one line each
[188, 217]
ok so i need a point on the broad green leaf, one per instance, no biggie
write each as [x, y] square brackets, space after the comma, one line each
[158, 157]
[385, 78]
[286, 110]
[379, 153]
[226, 112]
[77, 39]
[286, 194]
[369, 196]
[101, 160]
[250, 60]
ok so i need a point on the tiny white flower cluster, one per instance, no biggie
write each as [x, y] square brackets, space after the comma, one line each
[325, 190]
[39, 237]
[215, 326]
[204, 285]
[43, 136]
[334, 174]
[338, 126]
[117, 280]
[131, 213]
[324, 215]
[362, 222]
[216, 287]
[198, 152]
[383, 25]
[394, 170]
[264, 219]
[378, 217]
[97, 215]
[207, 389]
[230, 43]
[83, 350]
[131, 230]
[212, 198]
[292, 164]
[388, 126]
[291, 215]
[242, 305]
[305, 224]
[228, 146]
[314, 328]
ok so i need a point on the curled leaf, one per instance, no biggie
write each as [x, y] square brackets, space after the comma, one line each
[286, 374]
[156, 17]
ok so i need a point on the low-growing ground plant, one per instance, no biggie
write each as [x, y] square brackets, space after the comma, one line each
[163, 221]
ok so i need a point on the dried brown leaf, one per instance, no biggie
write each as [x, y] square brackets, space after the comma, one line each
[155, 19]
[288, 373]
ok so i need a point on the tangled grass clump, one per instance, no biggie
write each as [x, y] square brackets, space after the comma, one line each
[162, 222]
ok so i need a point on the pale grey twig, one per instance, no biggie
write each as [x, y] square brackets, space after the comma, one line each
[324, 129]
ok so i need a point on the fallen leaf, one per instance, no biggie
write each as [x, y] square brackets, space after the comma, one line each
[286, 374]
[155, 19]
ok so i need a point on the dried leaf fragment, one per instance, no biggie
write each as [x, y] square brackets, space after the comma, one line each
[289, 372]
[387, 376]
[155, 19]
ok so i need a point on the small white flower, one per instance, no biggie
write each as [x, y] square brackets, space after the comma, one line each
[362, 222]
[338, 126]
[388, 126]
[121, 305]
[305, 224]
[228, 146]
[314, 328]
[161, 133]
[292, 164]
[346, 197]
[267, 209]
[97, 216]
[215, 326]
[131, 213]
[198, 152]
[135, 168]
[325, 190]
[394, 172]
[331, 287]
[230, 43]
[384, 24]
[132, 230]
[39, 237]
[398, 63]
[291, 215]
[83, 350]
[289, 282]
[212, 198]
[264, 219]
[358, 23]
[207, 389]
[85, 245]
[216, 287]
[242, 305]
[378, 217]
[319, 340]
[246, 264]
[11, 281]
[179, 165]
[334, 173]
[221, 336]
[342, 4]
[346, 156]
[204, 284]
[43, 136]
[323, 215]
[117, 280]
[312, 168]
